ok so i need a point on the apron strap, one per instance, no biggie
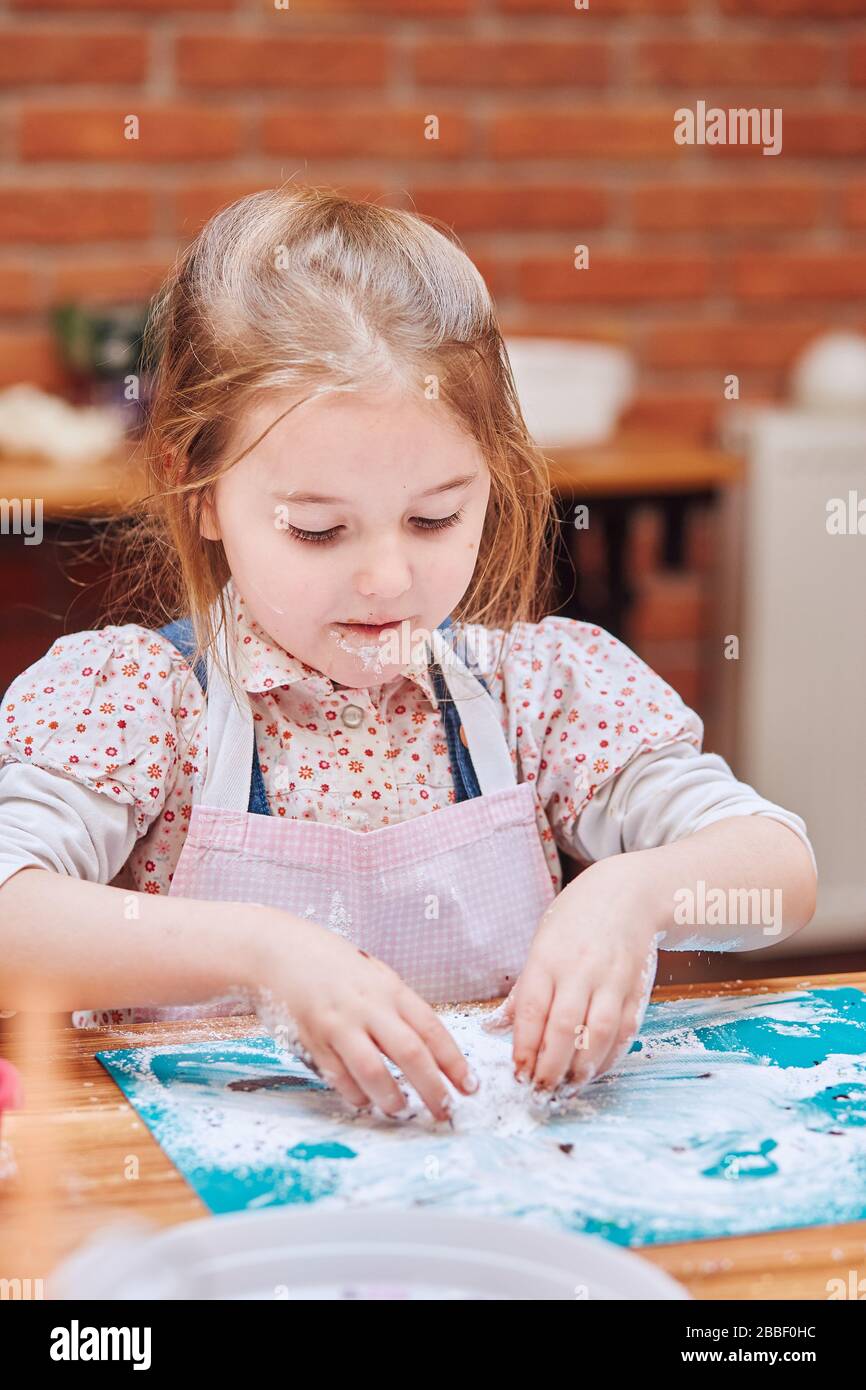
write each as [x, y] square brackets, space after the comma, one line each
[476, 712]
[231, 740]
[228, 794]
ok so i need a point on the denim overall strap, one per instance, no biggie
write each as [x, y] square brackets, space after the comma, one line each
[180, 633]
[465, 780]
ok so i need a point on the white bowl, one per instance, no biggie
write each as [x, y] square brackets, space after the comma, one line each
[391, 1253]
[570, 392]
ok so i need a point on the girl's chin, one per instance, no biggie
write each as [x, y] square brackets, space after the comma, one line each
[363, 674]
[359, 656]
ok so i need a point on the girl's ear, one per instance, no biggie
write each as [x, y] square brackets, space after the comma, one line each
[208, 521]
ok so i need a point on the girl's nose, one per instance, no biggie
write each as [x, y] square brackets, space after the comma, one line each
[385, 573]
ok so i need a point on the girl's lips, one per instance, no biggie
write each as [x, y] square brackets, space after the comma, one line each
[368, 629]
[361, 629]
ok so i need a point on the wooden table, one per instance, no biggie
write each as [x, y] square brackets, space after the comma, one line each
[102, 488]
[632, 463]
[78, 1134]
[641, 462]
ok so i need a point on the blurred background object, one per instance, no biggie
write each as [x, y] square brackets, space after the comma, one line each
[101, 350]
[571, 393]
[36, 425]
[831, 375]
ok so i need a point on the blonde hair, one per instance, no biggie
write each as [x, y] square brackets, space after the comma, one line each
[301, 289]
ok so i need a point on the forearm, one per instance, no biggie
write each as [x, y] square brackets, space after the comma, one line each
[66, 943]
[740, 884]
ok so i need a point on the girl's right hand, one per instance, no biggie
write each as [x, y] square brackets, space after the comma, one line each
[339, 1009]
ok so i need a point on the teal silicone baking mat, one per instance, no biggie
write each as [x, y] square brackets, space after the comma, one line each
[729, 1115]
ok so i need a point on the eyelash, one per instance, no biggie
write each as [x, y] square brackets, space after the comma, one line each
[427, 524]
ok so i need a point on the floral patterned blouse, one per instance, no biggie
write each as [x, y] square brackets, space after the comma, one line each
[119, 710]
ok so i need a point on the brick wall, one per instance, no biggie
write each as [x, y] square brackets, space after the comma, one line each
[555, 128]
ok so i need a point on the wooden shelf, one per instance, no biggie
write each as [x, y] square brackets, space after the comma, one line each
[103, 488]
[631, 463]
[642, 462]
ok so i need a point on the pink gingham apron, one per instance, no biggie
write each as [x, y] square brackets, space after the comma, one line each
[450, 899]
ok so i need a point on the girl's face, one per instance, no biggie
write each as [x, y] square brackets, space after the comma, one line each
[352, 510]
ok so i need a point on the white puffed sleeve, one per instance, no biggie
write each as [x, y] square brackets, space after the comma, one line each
[665, 794]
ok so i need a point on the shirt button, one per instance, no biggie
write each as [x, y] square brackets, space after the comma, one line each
[352, 716]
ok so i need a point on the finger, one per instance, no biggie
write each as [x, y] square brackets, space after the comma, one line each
[603, 1022]
[329, 1066]
[499, 1019]
[364, 1062]
[432, 1031]
[620, 1050]
[402, 1044]
[534, 995]
[632, 1018]
[564, 1032]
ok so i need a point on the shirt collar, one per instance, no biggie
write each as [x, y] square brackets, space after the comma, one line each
[264, 665]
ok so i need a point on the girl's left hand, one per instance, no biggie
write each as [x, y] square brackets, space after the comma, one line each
[578, 1004]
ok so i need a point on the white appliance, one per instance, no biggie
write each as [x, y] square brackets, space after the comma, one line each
[796, 597]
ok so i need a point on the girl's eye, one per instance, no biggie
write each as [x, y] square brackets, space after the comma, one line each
[318, 537]
[427, 523]
[424, 523]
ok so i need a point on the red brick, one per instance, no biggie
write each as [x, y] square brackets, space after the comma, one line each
[63, 215]
[245, 61]
[840, 131]
[795, 9]
[702, 550]
[730, 207]
[407, 9]
[593, 132]
[512, 63]
[31, 355]
[497, 274]
[837, 132]
[167, 133]
[854, 205]
[525, 206]
[629, 279]
[730, 347]
[611, 7]
[130, 6]
[363, 132]
[729, 62]
[67, 55]
[670, 605]
[119, 281]
[192, 205]
[692, 415]
[529, 322]
[645, 541]
[857, 62]
[20, 291]
[776, 277]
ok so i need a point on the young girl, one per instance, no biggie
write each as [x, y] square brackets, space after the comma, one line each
[356, 726]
